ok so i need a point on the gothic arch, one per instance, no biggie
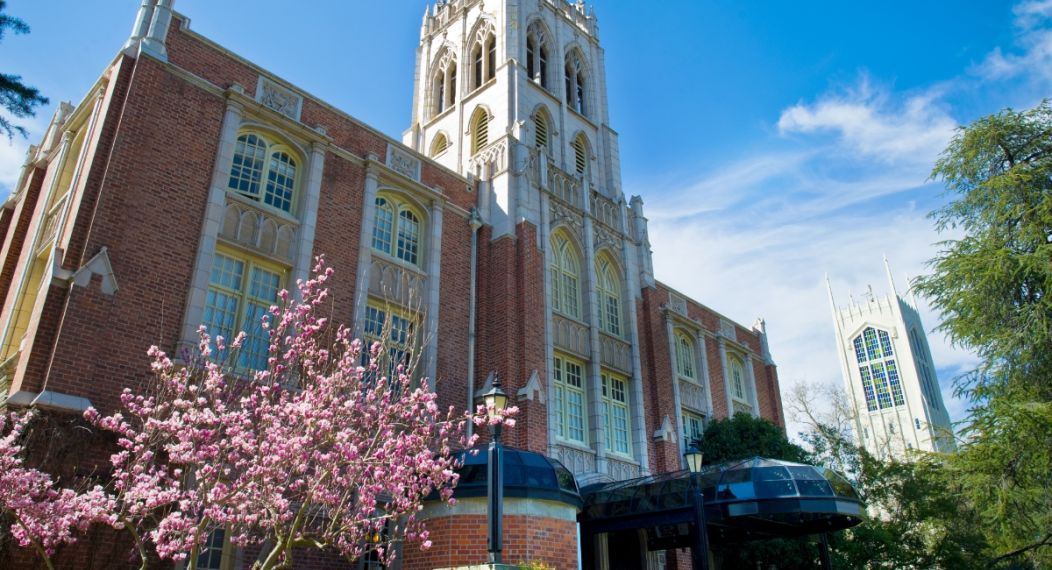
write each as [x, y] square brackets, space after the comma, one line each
[442, 81]
[576, 75]
[482, 53]
[538, 53]
[543, 127]
[478, 128]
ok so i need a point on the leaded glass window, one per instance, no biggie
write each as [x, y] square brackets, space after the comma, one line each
[240, 293]
[565, 273]
[881, 383]
[615, 411]
[609, 293]
[684, 356]
[569, 399]
[397, 229]
[264, 171]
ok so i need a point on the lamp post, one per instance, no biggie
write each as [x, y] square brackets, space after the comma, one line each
[495, 400]
[700, 548]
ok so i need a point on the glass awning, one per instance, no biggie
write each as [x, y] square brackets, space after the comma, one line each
[754, 498]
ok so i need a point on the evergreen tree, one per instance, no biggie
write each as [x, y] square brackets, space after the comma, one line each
[16, 97]
[992, 287]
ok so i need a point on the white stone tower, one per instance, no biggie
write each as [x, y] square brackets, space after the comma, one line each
[889, 374]
[505, 88]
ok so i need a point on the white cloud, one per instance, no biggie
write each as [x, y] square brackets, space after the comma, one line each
[1032, 56]
[13, 152]
[870, 122]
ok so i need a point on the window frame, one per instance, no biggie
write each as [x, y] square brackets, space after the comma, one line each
[244, 300]
[576, 82]
[565, 269]
[538, 57]
[479, 129]
[273, 146]
[688, 426]
[399, 206]
[686, 356]
[443, 85]
[406, 351]
[736, 363]
[608, 403]
[878, 367]
[608, 289]
[483, 56]
[562, 392]
[582, 154]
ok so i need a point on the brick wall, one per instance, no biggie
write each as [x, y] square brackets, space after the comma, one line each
[461, 540]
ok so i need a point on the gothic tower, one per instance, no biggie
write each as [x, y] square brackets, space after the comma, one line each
[889, 374]
[512, 95]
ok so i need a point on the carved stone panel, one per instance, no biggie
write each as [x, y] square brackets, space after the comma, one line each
[280, 99]
[395, 283]
[564, 186]
[606, 211]
[692, 396]
[578, 461]
[403, 162]
[570, 335]
[562, 215]
[728, 330]
[677, 304]
[619, 470]
[253, 227]
[608, 239]
[615, 353]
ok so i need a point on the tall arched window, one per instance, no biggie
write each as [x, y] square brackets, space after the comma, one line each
[576, 82]
[439, 144]
[739, 385]
[541, 130]
[483, 56]
[444, 83]
[479, 126]
[876, 366]
[580, 153]
[608, 288]
[263, 170]
[537, 54]
[566, 282]
[397, 229]
[685, 358]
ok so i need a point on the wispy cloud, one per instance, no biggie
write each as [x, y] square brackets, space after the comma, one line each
[13, 152]
[872, 123]
[1032, 54]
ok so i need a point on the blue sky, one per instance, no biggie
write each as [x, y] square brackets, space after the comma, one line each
[773, 142]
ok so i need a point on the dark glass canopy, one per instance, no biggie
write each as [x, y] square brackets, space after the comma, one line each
[526, 475]
[744, 500]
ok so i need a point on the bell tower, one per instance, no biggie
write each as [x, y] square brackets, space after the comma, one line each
[504, 85]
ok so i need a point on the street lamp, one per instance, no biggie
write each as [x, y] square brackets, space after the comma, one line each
[495, 400]
[693, 456]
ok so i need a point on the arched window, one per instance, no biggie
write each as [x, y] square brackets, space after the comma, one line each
[439, 144]
[483, 56]
[263, 170]
[537, 54]
[580, 153]
[576, 83]
[685, 358]
[566, 281]
[444, 83]
[739, 393]
[876, 366]
[397, 229]
[479, 130]
[609, 290]
[541, 130]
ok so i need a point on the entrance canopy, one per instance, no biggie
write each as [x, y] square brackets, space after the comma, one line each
[743, 500]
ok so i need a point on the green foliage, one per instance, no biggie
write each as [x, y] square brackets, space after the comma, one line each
[16, 97]
[744, 436]
[992, 287]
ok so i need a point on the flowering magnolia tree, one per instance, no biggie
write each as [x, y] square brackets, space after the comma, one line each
[44, 516]
[317, 451]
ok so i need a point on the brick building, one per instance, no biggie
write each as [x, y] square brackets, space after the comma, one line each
[495, 235]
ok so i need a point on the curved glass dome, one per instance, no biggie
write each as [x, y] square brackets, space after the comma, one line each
[526, 475]
[760, 496]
